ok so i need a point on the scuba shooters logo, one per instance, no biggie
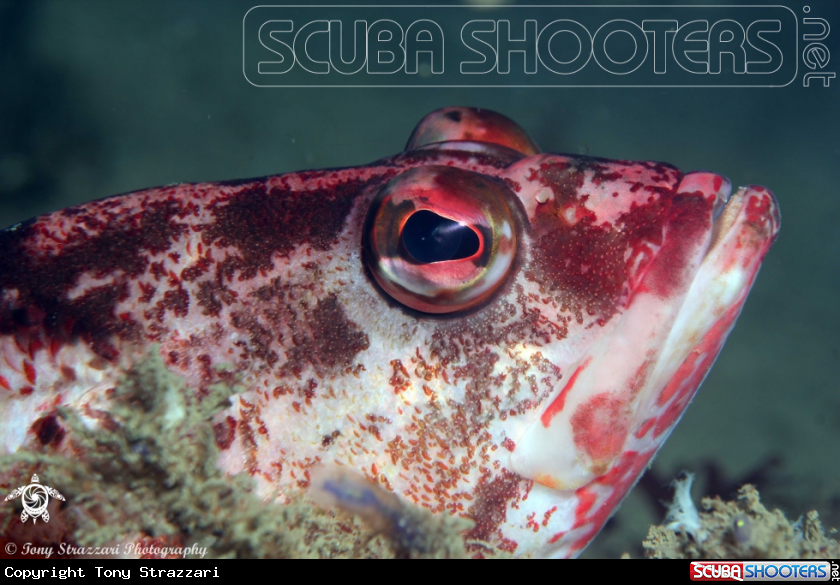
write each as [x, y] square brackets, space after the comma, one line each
[35, 498]
[761, 570]
[527, 46]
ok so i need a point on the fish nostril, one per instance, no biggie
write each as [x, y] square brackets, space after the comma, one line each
[428, 238]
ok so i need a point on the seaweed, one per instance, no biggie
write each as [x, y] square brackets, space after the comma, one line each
[739, 529]
[146, 474]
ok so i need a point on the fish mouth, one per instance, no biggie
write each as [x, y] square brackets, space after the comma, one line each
[751, 204]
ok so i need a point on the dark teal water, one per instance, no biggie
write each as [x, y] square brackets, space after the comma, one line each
[99, 98]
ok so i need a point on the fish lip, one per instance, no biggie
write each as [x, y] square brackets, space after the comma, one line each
[731, 215]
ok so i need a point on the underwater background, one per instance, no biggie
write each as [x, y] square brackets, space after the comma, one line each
[100, 97]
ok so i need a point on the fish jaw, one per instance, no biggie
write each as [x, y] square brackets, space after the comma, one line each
[601, 428]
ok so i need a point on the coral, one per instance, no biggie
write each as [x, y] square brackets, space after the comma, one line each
[682, 514]
[740, 529]
[147, 474]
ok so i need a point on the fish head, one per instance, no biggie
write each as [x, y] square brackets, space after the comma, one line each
[480, 328]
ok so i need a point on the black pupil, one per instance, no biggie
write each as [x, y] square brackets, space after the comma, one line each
[429, 238]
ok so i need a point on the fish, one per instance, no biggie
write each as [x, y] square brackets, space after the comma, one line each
[479, 328]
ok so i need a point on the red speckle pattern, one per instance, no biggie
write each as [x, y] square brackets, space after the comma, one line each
[585, 263]
[689, 218]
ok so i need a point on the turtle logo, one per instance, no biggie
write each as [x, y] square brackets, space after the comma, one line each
[35, 499]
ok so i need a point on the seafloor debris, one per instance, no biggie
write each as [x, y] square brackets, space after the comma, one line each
[147, 473]
[740, 529]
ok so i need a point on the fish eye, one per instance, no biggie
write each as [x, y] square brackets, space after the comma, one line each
[440, 239]
[471, 124]
[428, 237]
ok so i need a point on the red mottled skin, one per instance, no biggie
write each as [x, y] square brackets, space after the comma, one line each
[532, 414]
